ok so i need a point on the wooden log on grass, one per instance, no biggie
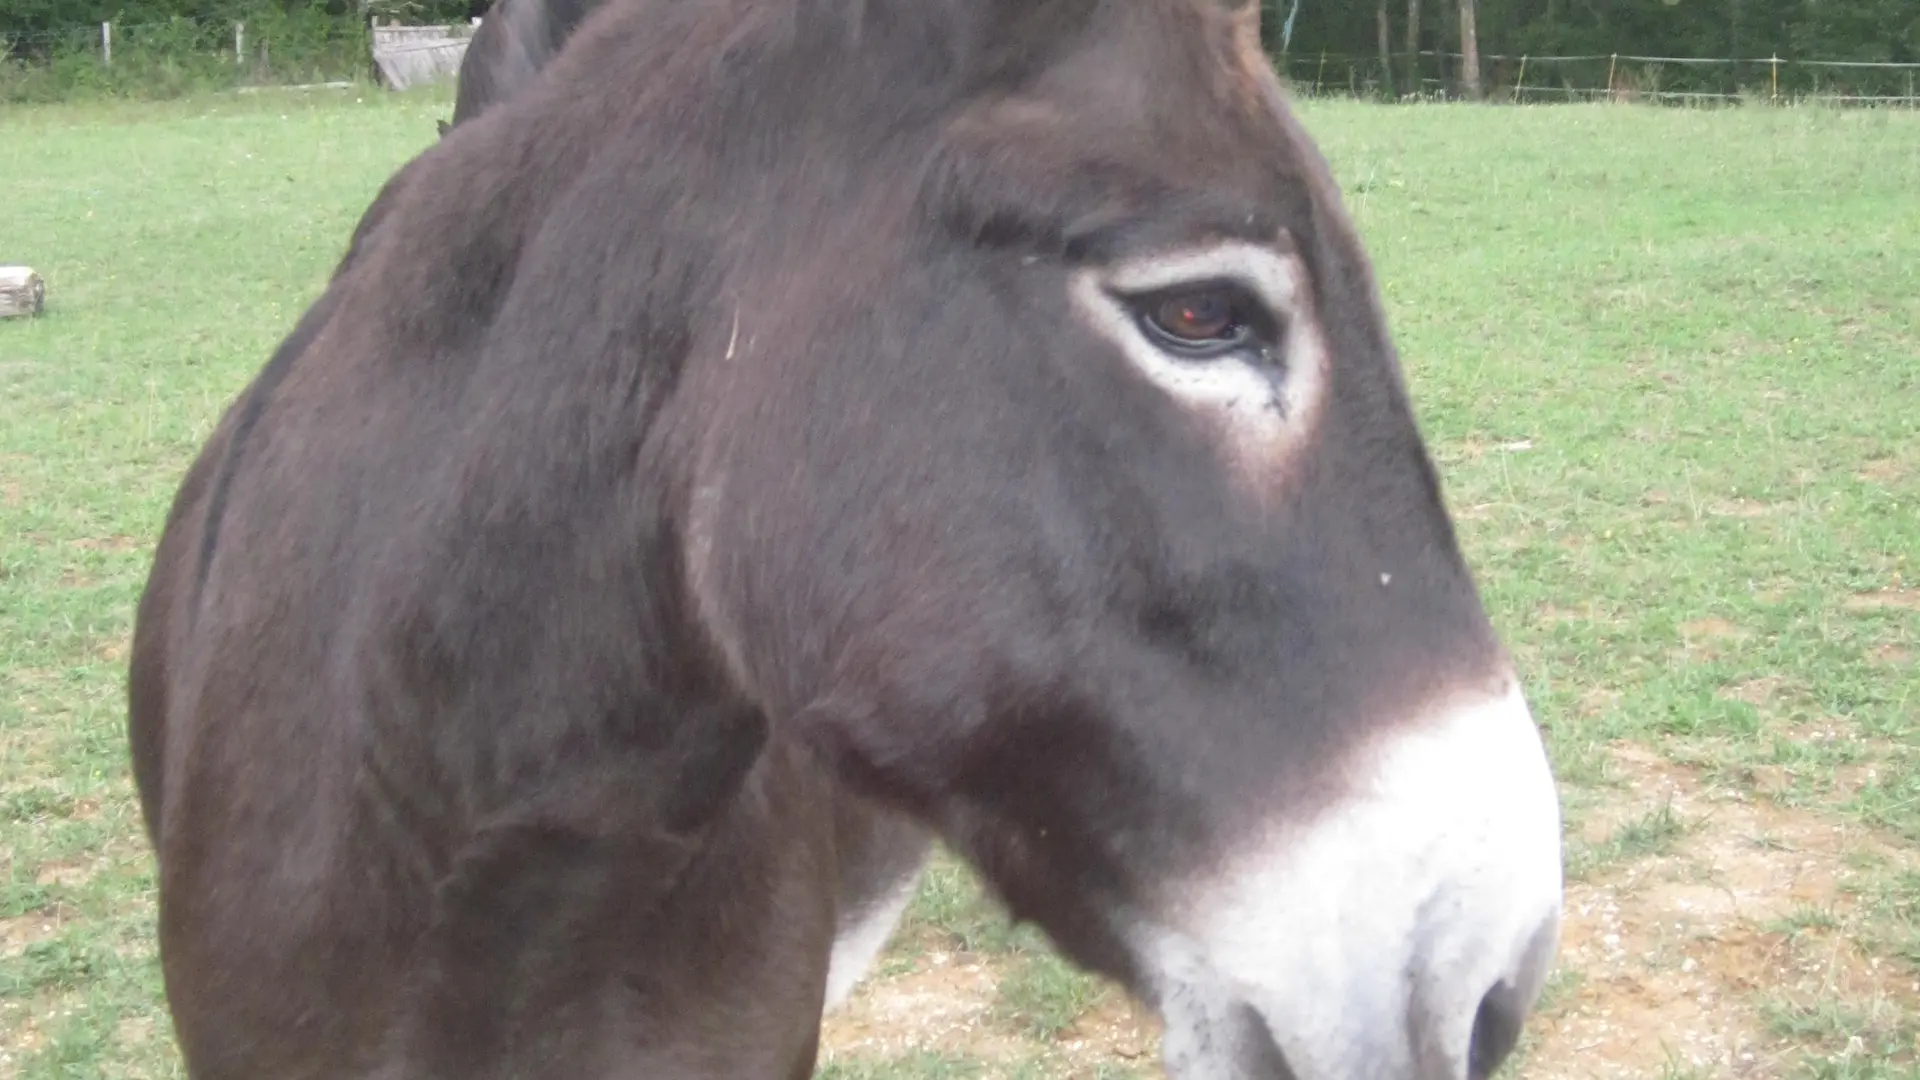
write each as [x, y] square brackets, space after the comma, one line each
[21, 292]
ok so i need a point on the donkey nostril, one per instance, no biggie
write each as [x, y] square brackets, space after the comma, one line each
[1503, 1012]
[1496, 1030]
[1264, 1058]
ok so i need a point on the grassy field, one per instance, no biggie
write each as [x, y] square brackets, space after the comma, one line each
[1669, 362]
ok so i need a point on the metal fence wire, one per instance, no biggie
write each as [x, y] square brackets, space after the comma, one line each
[267, 53]
[1608, 77]
[255, 50]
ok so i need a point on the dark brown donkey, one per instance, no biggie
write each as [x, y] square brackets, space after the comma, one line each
[516, 39]
[787, 418]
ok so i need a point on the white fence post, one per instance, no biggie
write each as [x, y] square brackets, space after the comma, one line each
[239, 44]
[106, 43]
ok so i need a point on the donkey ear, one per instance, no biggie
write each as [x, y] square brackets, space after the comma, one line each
[712, 753]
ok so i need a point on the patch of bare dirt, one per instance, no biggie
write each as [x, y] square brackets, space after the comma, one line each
[21, 1039]
[1597, 701]
[1474, 511]
[67, 872]
[947, 1004]
[944, 1003]
[114, 650]
[1711, 628]
[1883, 471]
[1885, 599]
[1118, 1027]
[1710, 636]
[1471, 448]
[1759, 692]
[107, 543]
[1892, 655]
[1549, 614]
[21, 932]
[1739, 508]
[1670, 960]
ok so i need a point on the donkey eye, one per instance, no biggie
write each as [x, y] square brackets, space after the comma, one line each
[1202, 321]
[1197, 317]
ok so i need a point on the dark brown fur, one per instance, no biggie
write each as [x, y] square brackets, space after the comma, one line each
[516, 40]
[454, 765]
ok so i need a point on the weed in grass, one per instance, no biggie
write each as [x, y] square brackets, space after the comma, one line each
[1676, 1069]
[1561, 985]
[1892, 800]
[1881, 1027]
[1043, 996]
[1653, 833]
[953, 907]
[1895, 901]
[1857, 1064]
[1802, 919]
[1844, 1041]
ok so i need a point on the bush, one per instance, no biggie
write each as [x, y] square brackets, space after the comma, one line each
[178, 55]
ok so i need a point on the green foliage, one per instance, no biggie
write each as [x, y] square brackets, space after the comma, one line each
[179, 55]
[1852, 30]
[51, 48]
[26, 20]
[1887, 30]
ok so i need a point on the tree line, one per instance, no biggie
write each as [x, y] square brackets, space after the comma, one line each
[26, 19]
[1455, 36]
[1396, 32]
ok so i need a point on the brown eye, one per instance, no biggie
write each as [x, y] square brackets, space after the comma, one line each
[1204, 321]
[1198, 317]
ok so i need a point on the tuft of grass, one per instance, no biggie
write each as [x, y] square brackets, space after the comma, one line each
[1895, 901]
[1803, 919]
[953, 911]
[1845, 1041]
[1675, 1069]
[1561, 986]
[1653, 833]
[1041, 995]
[918, 1065]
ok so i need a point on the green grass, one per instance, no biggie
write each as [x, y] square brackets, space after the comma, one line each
[919, 1065]
[1668, 360]
[1652, 833]
[1042, 995]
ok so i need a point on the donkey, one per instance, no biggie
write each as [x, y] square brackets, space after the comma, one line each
[788, 429]
[515, 40]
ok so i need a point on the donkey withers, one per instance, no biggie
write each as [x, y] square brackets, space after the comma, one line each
[786, 418]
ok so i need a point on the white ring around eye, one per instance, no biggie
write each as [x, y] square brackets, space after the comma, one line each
[1260, 409]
